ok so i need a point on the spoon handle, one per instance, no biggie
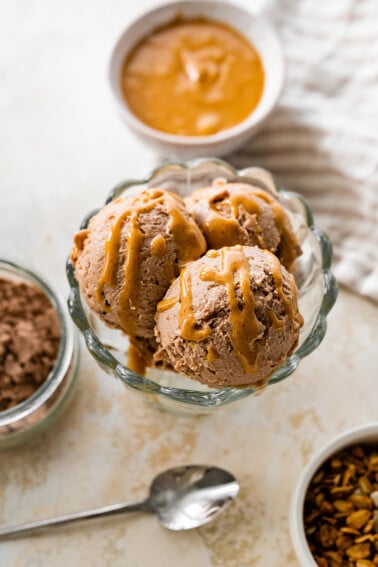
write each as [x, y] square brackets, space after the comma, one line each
[45, 525]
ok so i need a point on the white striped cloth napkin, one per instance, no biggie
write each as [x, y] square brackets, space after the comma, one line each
[323, 139]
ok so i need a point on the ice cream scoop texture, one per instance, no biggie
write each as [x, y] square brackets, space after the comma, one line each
[230, 319]
[201, 286]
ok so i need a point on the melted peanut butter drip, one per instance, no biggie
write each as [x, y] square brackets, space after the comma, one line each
[189, 241]
[245, 326]
[221, 226]
[289, 248]
[187, 320]
[277, 322]
[289, 302]
[166, 304]
[211, 354]
[128, 298]
[79, 240]
[158, 245]
[136, 361]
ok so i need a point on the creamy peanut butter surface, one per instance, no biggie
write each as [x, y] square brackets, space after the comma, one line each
[193, 78]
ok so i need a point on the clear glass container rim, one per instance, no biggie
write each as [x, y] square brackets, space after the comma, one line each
[65, 352]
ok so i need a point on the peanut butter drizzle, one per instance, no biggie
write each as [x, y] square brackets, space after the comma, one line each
[136, 361]
[211, 354]
[227, 229]
[79, 240]
[187, 321]
[288, 302]
[128, 298]
[276, 321]
[221, 230]
[289, 248]
[189, 241]
[166, 304]
[245, 326]
[158, 245]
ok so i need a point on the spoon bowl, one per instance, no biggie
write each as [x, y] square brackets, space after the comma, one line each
[187, 497]
[183, 498]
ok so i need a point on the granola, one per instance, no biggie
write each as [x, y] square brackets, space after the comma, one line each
[341, 509]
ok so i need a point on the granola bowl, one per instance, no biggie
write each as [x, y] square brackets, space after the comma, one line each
[316, 285]
[362, 435]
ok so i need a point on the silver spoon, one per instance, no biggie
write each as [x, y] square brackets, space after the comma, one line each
[182, 498]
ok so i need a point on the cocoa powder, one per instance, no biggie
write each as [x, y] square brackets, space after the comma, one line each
[29, 340]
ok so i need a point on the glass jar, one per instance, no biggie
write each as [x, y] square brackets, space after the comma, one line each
[37, 412]
[317, 290]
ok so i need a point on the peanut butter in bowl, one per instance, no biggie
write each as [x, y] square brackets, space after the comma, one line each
[196, 78]
[212, 76]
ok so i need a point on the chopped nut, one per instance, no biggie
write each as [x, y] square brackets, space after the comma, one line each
[364, 563]
[341, 509]
[336, 463]
[312, 516]
[351, 531]
[358, 551]
[373, 462]
[343, 541]
[357, 452]
[321, 561]
[358, 519]
[318, 478]
[342, 490]
[369, 526]
[336, 479]
[327, 535]
[343, 506]
[326, 507]
[365, 485]
[349, 473]
[330, 520]
[335, 556]
[366, 537]
[361, 501]
[320, 497]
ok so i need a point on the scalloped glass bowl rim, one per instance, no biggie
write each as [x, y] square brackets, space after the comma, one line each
[216, 397]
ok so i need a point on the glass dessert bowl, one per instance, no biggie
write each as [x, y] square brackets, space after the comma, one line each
[317, 290]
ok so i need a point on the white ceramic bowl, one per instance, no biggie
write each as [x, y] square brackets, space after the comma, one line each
[261, 34]
[360, 434]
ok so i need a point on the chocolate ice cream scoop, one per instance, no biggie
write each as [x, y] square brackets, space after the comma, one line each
[237, 213]
[128, 256]
[230, 319]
